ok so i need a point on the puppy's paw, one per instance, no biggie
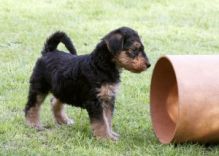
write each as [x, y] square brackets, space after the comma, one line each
[66, 121]
[114, 137]
[115, 134]
[35, 125]
[108, 136]
[69, 122]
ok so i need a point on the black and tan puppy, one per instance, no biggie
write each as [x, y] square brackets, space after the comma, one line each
[86, 81]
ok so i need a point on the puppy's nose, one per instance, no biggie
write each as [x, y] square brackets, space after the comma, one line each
[148, 64]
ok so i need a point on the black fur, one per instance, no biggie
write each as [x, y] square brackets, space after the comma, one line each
[74, 79]
[53, 41]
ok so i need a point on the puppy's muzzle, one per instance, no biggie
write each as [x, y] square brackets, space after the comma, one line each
[141, 65]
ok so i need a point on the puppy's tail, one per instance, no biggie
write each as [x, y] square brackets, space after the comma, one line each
[53, 41]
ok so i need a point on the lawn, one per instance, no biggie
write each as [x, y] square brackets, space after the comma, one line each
[166, 27]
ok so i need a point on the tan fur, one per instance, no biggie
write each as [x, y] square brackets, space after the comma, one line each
[99, 129]
[107, 91]
[59, 113]
[135, 65]
[139, 63]
[32, 116]
[109, 114]
[103, 129]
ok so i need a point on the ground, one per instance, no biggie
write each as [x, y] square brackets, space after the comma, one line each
[166, 27]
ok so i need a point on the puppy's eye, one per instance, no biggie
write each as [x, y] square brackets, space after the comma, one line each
[131, 50]
[131, 53]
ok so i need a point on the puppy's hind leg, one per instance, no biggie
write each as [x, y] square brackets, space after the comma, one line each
[32, 109]
[59, 113]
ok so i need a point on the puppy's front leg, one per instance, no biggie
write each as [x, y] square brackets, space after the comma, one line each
[100, 121]
[108, 110]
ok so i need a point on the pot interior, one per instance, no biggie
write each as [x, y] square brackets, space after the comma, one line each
[164, 100]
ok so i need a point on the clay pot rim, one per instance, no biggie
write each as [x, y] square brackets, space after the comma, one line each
[171, 138]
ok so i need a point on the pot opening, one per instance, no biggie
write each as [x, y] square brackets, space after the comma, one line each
[164, 100]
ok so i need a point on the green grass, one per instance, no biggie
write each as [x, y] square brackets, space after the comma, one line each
[166, 27]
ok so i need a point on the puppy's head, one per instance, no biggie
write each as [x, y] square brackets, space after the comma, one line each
[127, 49]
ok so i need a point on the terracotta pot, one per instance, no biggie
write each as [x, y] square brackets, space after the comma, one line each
[185, 99]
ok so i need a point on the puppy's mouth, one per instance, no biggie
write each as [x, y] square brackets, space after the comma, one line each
[139, 69]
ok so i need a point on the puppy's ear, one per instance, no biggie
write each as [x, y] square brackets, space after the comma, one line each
[114, 42]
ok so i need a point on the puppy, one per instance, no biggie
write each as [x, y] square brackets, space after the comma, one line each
[87, 81]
